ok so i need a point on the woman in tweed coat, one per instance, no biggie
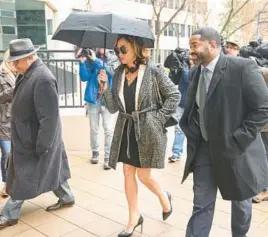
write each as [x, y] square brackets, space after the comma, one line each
[7, 83]
[140, 139]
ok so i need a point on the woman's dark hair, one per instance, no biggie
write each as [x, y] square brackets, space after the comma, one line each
[141, 52]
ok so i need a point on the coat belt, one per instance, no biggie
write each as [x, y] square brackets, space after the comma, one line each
[134, 117]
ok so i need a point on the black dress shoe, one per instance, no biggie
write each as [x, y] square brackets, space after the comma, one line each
[60, 204]
[127, 234]
[7, 222]
[167, 214]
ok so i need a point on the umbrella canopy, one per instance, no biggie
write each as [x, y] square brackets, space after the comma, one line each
[90, 29]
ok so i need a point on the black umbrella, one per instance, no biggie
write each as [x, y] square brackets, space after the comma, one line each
[90, 29]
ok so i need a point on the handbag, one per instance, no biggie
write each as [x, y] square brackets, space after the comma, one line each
[173, 120]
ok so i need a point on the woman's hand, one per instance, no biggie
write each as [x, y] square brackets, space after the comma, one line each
[103, 80]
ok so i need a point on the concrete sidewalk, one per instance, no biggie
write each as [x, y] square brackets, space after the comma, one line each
[101, 208]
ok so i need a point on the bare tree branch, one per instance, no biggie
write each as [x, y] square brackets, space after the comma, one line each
[153, 2]
[228, 18]
[240, 8]
[182, 6]
[254, 18]
[240, 27]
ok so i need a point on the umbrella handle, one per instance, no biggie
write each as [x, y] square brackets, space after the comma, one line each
[105, 43]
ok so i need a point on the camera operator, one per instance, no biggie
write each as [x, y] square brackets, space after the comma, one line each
[92, 71]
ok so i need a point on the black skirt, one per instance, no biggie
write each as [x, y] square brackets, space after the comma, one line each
[134, 160]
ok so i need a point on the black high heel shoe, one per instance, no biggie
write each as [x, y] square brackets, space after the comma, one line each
[167, 214]
[127, 234]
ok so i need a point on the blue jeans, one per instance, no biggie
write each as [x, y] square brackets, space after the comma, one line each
[177, 148]
[5, 149]
[94, 112]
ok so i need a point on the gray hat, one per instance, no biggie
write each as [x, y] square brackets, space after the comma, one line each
[21, 48]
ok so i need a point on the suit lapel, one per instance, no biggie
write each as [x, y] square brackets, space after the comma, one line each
[144, 83]
[216, 78]
[120, 89]
[193, 91]
[139, 91]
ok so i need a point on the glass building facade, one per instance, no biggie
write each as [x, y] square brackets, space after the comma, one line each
[22, 19]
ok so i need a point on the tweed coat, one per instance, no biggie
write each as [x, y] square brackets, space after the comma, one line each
[148, 118]
[38, 161]
[235, 112]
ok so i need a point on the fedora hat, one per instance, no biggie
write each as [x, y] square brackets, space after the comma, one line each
[233, 41]
[21, 48]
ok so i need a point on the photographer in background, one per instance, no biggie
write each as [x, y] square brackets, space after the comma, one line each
[89, 68]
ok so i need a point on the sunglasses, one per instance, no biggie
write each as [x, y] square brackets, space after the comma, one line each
[119, 50]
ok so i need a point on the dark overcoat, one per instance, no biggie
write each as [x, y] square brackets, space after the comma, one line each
[148, 118]
[38, 161]
[236, 110]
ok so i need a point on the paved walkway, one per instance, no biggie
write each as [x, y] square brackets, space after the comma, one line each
[101, 208]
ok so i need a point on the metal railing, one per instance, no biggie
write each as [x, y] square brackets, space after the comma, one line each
[65, 68]
[66, 71]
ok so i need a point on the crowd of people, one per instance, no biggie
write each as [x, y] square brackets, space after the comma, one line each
[213, 96]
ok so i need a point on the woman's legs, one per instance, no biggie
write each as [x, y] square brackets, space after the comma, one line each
[149, 181]
[131, 190]
[5, 147]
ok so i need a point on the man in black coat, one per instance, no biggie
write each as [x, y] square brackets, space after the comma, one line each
[38, 161]
[227, 107]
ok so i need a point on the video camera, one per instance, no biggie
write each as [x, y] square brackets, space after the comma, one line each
[83, 52]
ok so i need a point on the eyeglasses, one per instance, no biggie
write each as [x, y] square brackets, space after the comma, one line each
[119, 50]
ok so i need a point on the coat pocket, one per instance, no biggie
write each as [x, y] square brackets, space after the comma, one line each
[24, 133]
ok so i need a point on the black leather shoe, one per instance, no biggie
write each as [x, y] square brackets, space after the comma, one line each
[60, 204]
[127, 234]
[167, 214]
[7, 222]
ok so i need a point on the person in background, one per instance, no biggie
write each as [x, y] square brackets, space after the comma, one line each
[110, 60]
[232, 47]
[89, 69]
[178, 144]
[7, 83]
[38, 162]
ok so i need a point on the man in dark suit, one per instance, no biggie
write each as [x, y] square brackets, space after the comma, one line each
[227, 107]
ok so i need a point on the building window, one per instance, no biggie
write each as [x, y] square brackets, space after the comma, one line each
[7, 13]
[170, 4]
[49, 26]
[9, 30]
[189, 31]
[166, 30]
[183, 30]
[171, 30]
[177, 4]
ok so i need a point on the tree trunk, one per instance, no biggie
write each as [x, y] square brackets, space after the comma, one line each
[157, 57]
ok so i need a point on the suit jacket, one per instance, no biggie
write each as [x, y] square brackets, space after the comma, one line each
[236, 110]
[149, 122]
